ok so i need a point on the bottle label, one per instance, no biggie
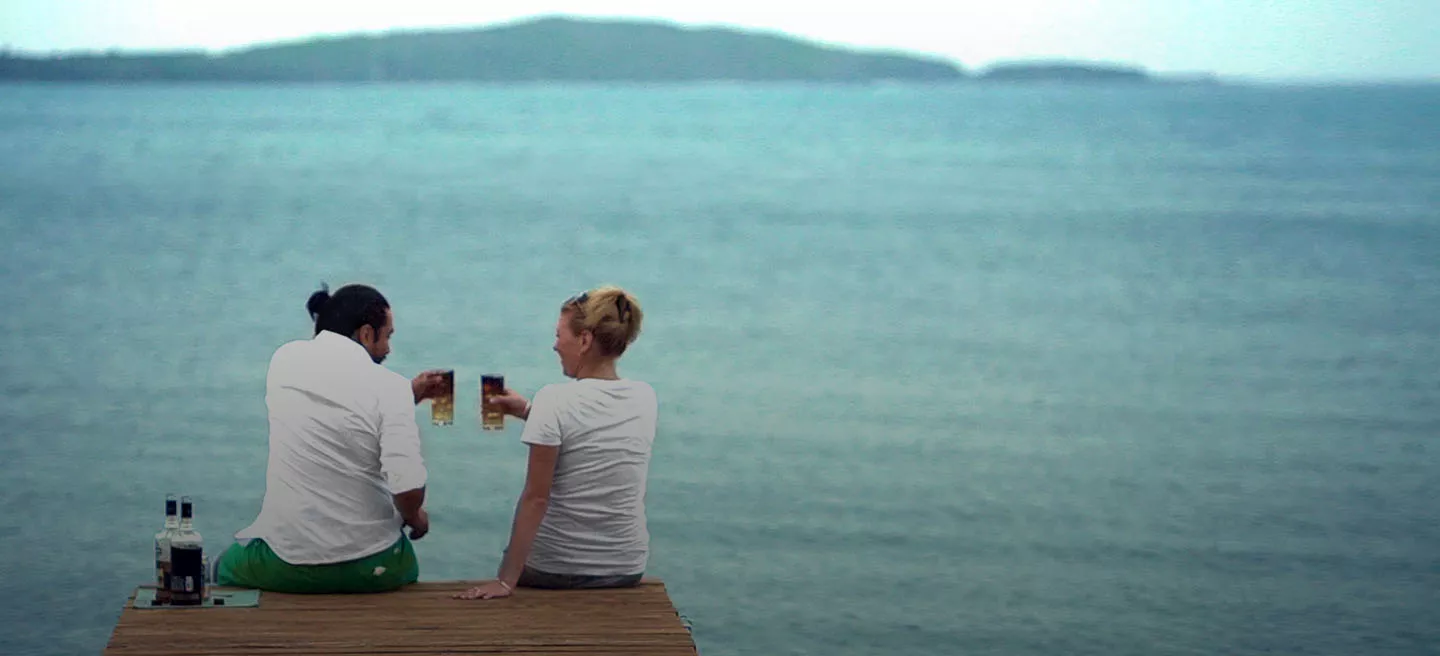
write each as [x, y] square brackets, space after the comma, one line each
[187, 570]
[162, 569]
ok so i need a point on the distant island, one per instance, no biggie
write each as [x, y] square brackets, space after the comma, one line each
[550, 49]
[1064, 71]
[546, 49]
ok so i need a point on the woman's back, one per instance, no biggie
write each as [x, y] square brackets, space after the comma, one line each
[595, 522]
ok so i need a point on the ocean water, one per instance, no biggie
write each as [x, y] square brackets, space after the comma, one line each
[942, 370]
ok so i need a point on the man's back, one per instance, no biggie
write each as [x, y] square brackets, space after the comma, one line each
[343, 441]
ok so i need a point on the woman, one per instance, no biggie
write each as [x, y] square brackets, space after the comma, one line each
[580, 521]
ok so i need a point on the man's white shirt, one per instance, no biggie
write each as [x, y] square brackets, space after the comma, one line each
[343, 441]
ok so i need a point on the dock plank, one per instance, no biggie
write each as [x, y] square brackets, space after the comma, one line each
[419, 620]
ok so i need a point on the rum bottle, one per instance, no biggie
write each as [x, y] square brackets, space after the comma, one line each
[187, 553]
[162, 551]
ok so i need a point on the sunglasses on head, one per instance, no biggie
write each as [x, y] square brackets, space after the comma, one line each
[579, 299]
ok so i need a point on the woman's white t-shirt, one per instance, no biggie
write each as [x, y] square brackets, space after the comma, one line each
[595, 523]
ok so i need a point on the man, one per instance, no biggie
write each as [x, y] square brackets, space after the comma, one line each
[345, 473]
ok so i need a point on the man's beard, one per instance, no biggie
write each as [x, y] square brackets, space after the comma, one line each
[378, 359]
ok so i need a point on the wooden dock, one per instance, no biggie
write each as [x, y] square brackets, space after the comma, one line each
[421, 619]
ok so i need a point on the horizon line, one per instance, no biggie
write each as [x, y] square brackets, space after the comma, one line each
[968, 69]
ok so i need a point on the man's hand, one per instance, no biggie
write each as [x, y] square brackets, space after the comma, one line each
[511, 403]
[420, 525]
[428, 385]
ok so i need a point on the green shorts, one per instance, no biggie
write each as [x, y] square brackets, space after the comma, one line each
[254, 565]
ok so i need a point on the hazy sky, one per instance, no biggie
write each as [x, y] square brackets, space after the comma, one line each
[1338, 39]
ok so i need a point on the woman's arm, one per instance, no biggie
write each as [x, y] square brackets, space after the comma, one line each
[511, 403]
[529, 512]
[534, 500]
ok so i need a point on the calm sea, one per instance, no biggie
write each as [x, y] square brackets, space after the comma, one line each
[942, 370]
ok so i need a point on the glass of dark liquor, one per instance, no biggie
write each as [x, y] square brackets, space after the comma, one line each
[492, 416]
[442, 407]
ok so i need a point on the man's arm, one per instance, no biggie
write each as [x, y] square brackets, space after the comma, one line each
[401, 461]
[411, 507]
[427, 385]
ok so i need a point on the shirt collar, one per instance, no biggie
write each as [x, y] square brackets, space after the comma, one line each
[340, 342]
